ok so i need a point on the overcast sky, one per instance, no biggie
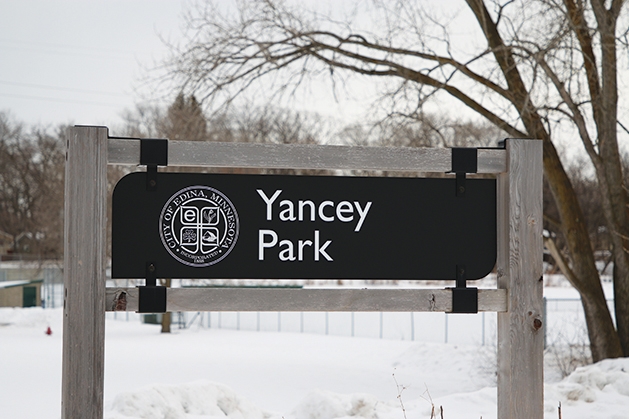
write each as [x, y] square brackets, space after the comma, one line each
[85, 62]
[80, 61]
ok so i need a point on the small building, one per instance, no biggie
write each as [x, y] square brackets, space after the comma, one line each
[23, 293]
[6, 244]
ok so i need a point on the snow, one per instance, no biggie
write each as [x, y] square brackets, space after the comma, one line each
[190, 400]
[209, 373]
[9, 284]
[600, 390]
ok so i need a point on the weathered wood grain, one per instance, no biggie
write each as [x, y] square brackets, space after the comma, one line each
[282, 299]
[84, 273]
[520, 329]
[299, 156]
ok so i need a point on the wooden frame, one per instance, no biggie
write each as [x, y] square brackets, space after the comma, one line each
[298, 156]
[519, 267]
[290, 299]
[84, 273]
[518, 299]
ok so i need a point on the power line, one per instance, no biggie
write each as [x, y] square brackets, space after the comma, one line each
[51, 99]
[64, 89]
[90, 55]
[68, 50]
[66, 46]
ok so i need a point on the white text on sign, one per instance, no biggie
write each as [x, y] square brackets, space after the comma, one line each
[306, 210]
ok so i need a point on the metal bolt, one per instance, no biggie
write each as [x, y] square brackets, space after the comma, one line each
[151, 268]
[152, 183]
[461, 189]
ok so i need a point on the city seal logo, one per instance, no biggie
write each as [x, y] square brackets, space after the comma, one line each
[199, 226]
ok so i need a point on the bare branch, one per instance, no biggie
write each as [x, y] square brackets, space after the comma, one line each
[576, 114]
[441, 60]
[394, 69]
[504, 57]
[555, 223]
[562, 262]
[582, 31]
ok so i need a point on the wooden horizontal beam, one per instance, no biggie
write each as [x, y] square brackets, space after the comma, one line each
[290, 299]
[300, 156]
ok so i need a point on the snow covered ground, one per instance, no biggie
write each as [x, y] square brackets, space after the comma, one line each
[209, 373]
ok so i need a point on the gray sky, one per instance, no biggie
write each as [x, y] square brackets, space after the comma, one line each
[84, 61]
[80, 61]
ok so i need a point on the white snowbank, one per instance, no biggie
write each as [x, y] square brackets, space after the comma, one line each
[323, 404]
[290, 376]
[202, 399]
[31, 317]
[599, 390]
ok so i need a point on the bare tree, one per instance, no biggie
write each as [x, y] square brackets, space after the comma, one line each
[142, 122]
[544, 66]
[429, 130]
[31, 189]
[184, 120]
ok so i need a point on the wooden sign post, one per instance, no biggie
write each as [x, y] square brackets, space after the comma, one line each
[517, 299]
[519, 267]
[85, 259]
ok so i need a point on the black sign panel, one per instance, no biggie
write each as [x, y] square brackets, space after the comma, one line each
[302, 227]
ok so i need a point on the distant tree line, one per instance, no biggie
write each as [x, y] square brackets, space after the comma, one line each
[32, 161]
[31, 189]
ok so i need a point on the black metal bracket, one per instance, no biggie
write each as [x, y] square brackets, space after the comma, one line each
[464, 160]
[464, 299]
[151, 274]
[153, 153]
[152, 298]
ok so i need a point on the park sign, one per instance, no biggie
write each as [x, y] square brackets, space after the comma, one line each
[168, 225]
[193, 225]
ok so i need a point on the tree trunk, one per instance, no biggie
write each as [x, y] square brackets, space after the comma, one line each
[604, 340]
[608, 162]
[166, 317]
[621, 304]
[614, 208]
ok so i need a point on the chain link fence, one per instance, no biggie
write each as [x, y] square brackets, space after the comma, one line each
[564, 319]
